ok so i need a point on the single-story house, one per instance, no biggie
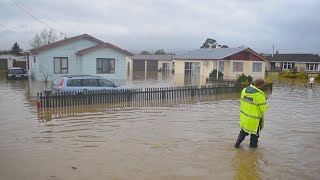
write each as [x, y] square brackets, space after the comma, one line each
[299, 62]
[8, 61]
[232, 62]
[77, 55]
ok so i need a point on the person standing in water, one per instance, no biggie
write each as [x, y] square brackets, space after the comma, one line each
[253, 104]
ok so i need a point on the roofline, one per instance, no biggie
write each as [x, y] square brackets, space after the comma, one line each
[104, 45]
[318, 62]
[263, 58]
[63, 41]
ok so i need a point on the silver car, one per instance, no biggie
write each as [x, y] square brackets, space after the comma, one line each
[71, 83]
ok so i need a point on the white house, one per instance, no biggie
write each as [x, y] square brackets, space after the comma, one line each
[81, 54]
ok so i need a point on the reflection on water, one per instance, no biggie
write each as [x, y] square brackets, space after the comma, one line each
[186, 140]
[247, 164]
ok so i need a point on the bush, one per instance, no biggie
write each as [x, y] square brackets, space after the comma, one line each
[317, 78]
[293, 74]
[213, 75]
[243, 80]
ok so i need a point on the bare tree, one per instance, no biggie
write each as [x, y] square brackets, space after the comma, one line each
[45, 37]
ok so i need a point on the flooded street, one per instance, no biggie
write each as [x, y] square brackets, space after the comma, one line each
[181, 141]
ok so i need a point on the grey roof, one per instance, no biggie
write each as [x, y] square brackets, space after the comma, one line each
[294, 58]
[152, 57]
[215, 53]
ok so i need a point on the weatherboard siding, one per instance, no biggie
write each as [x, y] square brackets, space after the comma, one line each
[44, 60]
[89, 66]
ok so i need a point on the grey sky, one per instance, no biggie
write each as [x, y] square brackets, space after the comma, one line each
[293, 26]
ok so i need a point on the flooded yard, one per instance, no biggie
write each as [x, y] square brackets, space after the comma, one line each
[180, 141]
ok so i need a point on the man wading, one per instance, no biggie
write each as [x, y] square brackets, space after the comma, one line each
[253, 104]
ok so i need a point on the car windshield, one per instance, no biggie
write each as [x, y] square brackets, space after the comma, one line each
[17, 71]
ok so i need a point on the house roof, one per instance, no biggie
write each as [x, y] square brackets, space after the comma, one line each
[104, 45]
[294, 58]
[152, 57]
[215, 53]
[64, 41]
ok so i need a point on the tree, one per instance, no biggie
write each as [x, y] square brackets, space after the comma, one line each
[209, 41]
[145, 53]
[45, 37]
[16, 50]
[213, 43]
[160, 52]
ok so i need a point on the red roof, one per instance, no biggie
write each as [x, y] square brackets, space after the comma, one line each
[64, 41]
[104, 45]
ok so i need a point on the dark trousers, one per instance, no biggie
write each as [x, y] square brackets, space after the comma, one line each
[253, 138]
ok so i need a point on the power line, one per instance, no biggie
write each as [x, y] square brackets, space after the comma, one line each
[21, 6]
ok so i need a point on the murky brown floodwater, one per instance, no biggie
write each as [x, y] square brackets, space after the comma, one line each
[184, 141]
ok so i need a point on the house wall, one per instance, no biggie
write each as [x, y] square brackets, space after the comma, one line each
[206, 67]
[247, 69]
[44, 60]
[89, 66]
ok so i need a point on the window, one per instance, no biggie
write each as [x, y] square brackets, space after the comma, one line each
[287, 66]
[237, 67]
[311, 67]
[106, 83]
[34, 59]
[90, 82]
[74, 82]
[105, 65]
[60, 65]
[187, 67]
[221, 66]
[165, 66]
[256, 67]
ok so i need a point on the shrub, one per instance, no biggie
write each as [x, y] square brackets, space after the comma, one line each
[243, 80]
[293, 74]
[317, 78]
[213, 75]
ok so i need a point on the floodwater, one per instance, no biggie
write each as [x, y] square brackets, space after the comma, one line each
[180, 141]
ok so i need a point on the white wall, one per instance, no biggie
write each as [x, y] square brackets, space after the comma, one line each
[44, 59]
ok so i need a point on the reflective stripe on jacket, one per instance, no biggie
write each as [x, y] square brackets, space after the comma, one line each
[253, 104]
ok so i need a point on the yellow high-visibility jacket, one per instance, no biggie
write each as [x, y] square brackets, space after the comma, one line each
[253, 104]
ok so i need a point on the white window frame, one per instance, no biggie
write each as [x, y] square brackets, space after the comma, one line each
[62, 69]
[256, 67]
[315, 67]
[287, 65]
[235, 66]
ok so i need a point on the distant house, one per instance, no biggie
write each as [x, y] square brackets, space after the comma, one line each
[299, 62]
[151, 62]
[232, 62]
[8, 61]
[81, 54]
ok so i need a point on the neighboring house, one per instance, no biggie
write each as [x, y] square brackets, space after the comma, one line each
[232, 62]
[81, 54]
[8, 61]
[298, 62]
[150, 63]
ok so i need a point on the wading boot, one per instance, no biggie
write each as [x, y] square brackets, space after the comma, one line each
[239, 140]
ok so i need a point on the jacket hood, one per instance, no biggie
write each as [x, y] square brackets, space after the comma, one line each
[250, 89]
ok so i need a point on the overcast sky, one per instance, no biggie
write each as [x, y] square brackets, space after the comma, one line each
[293, 26]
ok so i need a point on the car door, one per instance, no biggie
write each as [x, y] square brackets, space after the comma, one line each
[90, 84]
